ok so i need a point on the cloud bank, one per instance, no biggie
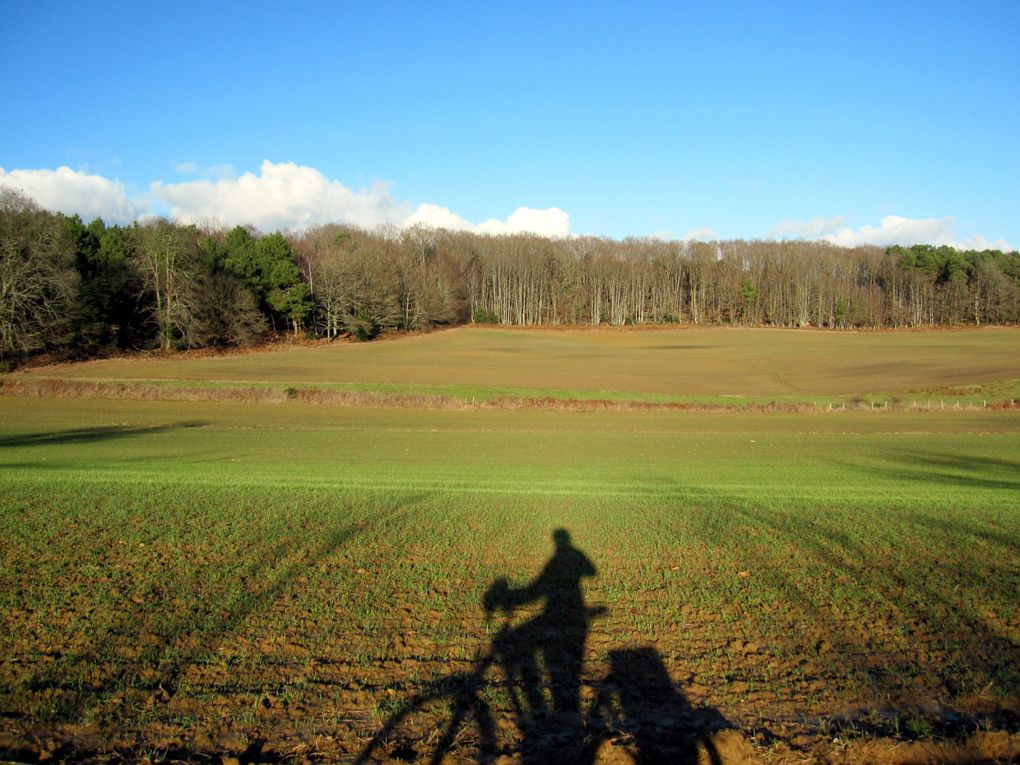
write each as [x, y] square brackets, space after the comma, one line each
[72, 191]
[892, 229]
[551, 222]
[281, 195]
[286, 195]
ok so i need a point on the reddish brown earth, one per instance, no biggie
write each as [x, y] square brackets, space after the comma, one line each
[291, 697]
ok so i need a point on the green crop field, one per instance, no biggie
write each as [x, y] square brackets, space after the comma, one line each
[193, 580]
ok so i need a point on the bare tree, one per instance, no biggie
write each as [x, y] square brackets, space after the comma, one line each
[161, 254]
[37, 284]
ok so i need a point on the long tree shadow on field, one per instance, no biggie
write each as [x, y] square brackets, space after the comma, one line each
[955, 470]
[956, 649]
[178, 638]
[537, 665]
[982, 651]
[89, 435]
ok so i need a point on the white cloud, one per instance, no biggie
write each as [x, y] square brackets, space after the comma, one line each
[287, 195]
[280, 196]
[438, 217]
[73, 191]
[283, 195]
[978, 242]
[892, 229]
[698, 235]
[552, 222]
[895, 229]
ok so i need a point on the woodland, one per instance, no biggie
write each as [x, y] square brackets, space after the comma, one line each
[77, 290]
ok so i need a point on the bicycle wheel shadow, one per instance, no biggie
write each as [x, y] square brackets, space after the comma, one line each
[636, 713]
[648, 716]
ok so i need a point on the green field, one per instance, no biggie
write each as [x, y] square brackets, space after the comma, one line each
[190, 580]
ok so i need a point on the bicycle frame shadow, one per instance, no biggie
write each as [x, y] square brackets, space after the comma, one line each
[638, 713]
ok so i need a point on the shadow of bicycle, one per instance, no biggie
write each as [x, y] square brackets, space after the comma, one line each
[523, 697]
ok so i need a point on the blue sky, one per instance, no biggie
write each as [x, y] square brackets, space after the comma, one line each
[851, 121]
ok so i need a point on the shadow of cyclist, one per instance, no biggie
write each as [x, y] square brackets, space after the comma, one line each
[638, 715]
[546, 651]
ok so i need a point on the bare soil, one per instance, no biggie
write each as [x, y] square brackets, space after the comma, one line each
[255, 695]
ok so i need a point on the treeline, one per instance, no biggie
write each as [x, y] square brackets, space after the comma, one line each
[86, 290]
